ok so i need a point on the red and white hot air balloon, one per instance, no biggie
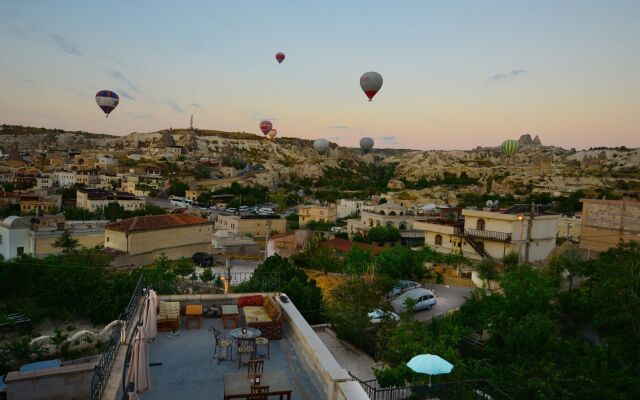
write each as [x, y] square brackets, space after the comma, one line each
[280, 57]
[265, 127]
[272, 134]
[370, 82]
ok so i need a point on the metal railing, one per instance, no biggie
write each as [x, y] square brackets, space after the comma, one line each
[480, 389]
[116, 338]
[489, 235]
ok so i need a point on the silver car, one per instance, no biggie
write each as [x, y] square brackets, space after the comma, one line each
[425, 300]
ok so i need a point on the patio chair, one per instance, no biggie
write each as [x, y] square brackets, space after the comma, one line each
[245, 347]
[221, 344]
[263, 341]
[259, 393]
[254, 367]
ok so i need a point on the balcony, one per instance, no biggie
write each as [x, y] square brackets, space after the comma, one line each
[488, 235]
[183, 367]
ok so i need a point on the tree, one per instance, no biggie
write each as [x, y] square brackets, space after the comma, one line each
[399, 262]
[178, 188]
[206, 275]
[566, 258]
[66, 242]
[277, 274]
[184, 267]
[383, 234]
[356, 261]
[487, 271]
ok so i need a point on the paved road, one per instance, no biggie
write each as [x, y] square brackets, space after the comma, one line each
[449, 298]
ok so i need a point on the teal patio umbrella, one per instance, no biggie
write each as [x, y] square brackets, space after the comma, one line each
[430, 364]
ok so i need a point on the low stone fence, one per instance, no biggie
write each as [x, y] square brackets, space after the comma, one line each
[71, 381]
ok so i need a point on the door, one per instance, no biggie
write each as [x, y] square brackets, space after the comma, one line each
[20, 251]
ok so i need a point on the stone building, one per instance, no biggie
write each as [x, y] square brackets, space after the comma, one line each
[606, 222]
[317, 213]
[253, 225]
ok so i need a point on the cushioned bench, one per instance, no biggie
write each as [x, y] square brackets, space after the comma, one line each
[168, 318]
[262, 313]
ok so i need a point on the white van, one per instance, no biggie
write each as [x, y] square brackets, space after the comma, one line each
[425, 300]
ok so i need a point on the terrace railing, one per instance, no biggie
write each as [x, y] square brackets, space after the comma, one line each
[489, 235]
[480, 389]
[117, 336]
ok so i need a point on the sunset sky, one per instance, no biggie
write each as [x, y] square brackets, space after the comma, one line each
[457, 74]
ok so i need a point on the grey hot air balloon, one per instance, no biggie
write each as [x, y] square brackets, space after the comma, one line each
[366, 144]
[371, 82]
[321, 145]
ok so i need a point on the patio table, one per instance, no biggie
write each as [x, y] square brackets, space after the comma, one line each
[251, 333]
[238, 386]
[193, 311]
[229, 313]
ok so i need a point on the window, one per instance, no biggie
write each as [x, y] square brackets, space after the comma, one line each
[107, 238]
[20, 251]
[438, 240]
[480, 225]
[0, 239]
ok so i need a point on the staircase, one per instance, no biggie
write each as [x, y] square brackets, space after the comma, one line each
[480, 248]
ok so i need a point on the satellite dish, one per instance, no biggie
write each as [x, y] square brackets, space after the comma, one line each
[489, 203]
[495, 203]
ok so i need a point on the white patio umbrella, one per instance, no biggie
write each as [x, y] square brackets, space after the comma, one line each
[138, 372]
[430, 364]
[149, 318]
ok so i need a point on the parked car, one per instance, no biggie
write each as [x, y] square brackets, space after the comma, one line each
[402, 286]
[202, 259]
[425, 300]
[231, 210]
[377, 315]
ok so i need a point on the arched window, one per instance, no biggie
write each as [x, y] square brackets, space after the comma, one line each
[438, 240]
[403, 225]
[389, 224]
[370, 222]
[382, 212]
[392, 213]
[378, 223]
[480, 225]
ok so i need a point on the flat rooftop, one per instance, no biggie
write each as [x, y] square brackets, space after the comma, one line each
[189, 371]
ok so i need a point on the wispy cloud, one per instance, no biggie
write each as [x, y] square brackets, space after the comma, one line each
[174, 106]
[123, 93]
[259, 117]
[338, 127]
[120, 76]
[388, 139]
[507, 75]
[27, 81]
[140, 115]
[65, 44]
[196, 105]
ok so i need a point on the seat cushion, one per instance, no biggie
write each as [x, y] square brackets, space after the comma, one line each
[168, 310]
[255, 300]
[256, 314]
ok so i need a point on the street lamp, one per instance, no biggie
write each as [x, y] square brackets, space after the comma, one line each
[521, 219]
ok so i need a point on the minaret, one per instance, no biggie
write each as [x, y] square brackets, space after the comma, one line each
[191, 124]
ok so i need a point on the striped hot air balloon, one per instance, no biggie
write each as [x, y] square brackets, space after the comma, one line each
[509, 147]
[265, 127]
[107, 100]
[370, 82]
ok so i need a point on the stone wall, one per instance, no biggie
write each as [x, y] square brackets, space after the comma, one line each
[67, 382]
[606, 222]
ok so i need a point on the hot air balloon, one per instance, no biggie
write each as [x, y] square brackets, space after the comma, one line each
[265, 127]
[107, 100]
[371, 82]
[321, 145]
[509, 147]
[280, 57]
[366, 144]
[272, 134]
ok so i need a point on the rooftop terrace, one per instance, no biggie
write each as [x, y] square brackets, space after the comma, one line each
[187, 369]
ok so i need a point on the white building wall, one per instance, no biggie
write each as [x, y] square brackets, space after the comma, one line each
[12, 239]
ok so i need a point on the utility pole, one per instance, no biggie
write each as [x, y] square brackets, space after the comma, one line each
[529, 229]
[266, 240]
[227, 263]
